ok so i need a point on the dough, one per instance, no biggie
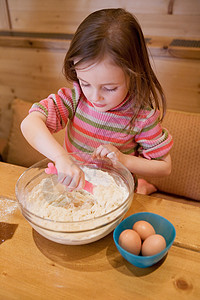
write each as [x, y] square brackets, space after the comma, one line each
[51, 200]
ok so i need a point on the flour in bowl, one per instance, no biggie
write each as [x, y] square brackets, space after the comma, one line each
[51, 200]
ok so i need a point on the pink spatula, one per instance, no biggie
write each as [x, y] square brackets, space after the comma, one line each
[52, 170]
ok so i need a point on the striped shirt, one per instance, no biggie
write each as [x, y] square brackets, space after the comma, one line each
[87, 128]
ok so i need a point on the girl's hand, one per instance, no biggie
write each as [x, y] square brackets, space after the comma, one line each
[110, 151]
[69, 173]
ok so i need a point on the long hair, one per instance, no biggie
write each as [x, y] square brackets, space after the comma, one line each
[117, 33]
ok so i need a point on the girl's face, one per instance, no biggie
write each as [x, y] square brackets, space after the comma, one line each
[104, 84]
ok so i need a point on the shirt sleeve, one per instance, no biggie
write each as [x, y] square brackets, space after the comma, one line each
[153, 141]
[58, 108]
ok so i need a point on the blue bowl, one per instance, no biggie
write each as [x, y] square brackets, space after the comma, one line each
[161, 225]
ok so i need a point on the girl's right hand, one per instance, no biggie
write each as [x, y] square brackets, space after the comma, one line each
[69, 173]
[38, 135]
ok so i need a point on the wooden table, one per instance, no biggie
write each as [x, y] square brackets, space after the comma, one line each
[32, 267]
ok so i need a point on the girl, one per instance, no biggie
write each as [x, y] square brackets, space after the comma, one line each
[114, 108]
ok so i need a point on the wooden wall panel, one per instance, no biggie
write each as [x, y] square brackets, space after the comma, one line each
[87, 6]
[65, 16]
[4, 16]
[29, 74]
[170, 25]
[180, 81]
[186, 7]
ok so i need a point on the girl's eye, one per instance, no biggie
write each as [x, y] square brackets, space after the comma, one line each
[84, 84]
[110, 90]
[105, 88]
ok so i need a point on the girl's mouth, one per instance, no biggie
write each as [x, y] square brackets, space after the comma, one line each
[98, 104]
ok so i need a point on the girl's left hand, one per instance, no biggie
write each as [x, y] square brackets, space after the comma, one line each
[110, 151]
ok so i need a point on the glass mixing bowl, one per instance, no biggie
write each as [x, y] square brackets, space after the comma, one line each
[81, 231]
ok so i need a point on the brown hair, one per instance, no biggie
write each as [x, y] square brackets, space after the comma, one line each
[117, 33]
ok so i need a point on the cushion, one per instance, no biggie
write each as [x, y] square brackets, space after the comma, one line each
[184, 179]
[18, 151]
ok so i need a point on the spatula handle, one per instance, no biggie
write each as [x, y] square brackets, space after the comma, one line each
[52, 170]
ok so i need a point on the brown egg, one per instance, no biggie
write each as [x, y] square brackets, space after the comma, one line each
[130, 241]
[144, 229]
[153, 244]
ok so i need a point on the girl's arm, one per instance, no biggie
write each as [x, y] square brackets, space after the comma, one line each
[137, 165]
[39, 137]
[145, 167]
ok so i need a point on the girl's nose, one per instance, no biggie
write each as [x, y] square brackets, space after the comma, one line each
[96, 96]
